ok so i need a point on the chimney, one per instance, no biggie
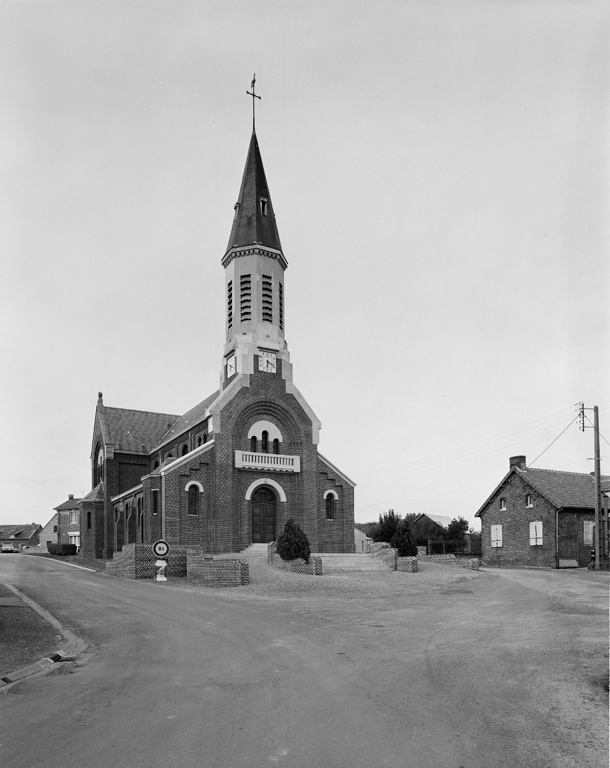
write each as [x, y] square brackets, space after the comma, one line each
[517, 461]
[70, 496]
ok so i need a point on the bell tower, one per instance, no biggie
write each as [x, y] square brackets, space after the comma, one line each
[254, 280]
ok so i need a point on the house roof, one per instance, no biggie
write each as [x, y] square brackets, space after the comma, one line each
[19, 532]
[183, 423]
[252, 224]
[438, 519]
[72, 503]
[562, 489]
[135, 431]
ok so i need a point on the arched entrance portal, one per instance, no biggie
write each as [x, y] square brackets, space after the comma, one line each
[264, 510]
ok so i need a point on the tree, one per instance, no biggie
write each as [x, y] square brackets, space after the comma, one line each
[403, 540]
[293, 543]
[456, 529]
[386, 527]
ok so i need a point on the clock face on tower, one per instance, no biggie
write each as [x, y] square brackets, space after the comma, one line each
[231, 366]
[266, 362]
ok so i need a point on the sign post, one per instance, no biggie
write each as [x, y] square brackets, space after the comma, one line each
[160, 550]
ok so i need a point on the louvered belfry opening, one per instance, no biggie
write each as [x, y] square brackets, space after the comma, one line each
[267, 288]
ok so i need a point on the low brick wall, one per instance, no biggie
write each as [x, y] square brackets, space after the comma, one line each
[383, 551]
[203, 570]
[459, 562]
[312, 568]
[137, 561]
[406, 564]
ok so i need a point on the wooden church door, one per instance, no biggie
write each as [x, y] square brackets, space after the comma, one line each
[263, 516]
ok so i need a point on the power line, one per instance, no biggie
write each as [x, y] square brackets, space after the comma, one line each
[555, 440]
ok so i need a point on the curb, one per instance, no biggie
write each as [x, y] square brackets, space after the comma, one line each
[72, 565]
[68, 652]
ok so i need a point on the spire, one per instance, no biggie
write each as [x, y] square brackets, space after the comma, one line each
[254, 222]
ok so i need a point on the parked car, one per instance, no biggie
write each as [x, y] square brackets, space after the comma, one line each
[8, 548]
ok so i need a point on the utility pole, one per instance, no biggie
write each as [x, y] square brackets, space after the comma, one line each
[598, 487]
[600, 530]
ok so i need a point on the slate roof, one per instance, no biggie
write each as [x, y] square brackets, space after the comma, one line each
[96, 494]
[251, 225]
[574, 490]
[70, 504]
[184, 423]
[136, 431]
[19, 532]
[563, 489]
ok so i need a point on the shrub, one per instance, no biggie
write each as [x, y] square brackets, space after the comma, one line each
[64, 550]
[293, 543]
[404, 541]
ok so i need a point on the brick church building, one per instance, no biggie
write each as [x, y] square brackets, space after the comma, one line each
[233, 469]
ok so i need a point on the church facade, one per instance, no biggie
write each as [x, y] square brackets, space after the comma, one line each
[231, 471]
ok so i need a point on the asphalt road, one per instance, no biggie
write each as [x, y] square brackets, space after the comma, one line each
[506, 669]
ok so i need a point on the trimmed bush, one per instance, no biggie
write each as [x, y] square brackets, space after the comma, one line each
[293, 543]
[404, 541]
[64, 550]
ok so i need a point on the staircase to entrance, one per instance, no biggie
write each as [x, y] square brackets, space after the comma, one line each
[339, 562]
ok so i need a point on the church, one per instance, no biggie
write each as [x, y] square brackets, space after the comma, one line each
[231, 471]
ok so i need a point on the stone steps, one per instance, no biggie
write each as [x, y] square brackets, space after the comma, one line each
[338, 562]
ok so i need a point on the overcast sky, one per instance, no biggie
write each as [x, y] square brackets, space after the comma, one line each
[439, 172]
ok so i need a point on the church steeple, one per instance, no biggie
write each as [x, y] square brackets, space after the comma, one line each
[254, 280]
[254, 222]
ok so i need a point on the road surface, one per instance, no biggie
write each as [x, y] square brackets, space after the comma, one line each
[504, 669]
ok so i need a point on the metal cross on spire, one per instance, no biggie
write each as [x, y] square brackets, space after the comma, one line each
[254, 96]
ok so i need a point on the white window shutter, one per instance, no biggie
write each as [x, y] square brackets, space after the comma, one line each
[587, 532]
[536, 533]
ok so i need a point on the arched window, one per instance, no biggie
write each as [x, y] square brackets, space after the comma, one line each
[331, 505]
[156, 465]
[199, 441]
[185, 449]
[88, 521]
[193, 505]
[98, 471]
[265, 442]
[276, 446]
[253, 442]
[205, 437]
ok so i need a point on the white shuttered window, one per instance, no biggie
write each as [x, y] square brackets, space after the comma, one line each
[536, 533]
[587, 532]
[496, 535]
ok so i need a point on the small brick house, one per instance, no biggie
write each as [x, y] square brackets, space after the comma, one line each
[48, 534]
[68, 521]
[539, 518]
[233, 469]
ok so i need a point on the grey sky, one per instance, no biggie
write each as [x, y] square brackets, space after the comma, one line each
[439, 171]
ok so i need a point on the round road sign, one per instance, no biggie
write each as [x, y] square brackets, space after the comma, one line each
[160, 548]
